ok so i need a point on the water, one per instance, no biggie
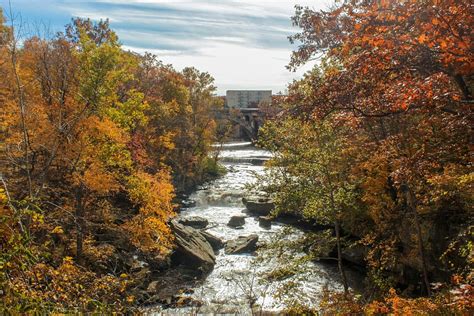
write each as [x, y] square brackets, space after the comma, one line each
[236, 279]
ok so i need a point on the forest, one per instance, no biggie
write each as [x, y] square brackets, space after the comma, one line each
[96, 143]
[374, 143]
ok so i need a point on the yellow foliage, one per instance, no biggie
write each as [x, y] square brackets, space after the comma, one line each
[104, 127]
[57, 230]
[153, 195]
[166, 141]
[97, 179]
[80, 133]
[3, 196]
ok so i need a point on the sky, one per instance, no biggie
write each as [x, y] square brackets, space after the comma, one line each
[243, 44]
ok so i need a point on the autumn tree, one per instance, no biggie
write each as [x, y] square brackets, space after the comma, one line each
[398, 75]
[90, 146]
[310, 174]
[181, 119]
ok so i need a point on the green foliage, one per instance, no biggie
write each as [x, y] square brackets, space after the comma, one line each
[212, 168]
[309, 172]
[130, 114]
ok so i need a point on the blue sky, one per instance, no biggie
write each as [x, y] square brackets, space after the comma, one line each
[242, 43]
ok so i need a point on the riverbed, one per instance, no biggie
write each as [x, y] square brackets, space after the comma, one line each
[236, 281]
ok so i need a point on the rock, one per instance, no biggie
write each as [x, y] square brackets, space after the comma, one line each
[153, 287]
[236, 221]
[243, 244]
[265, 221]
[192, 248]
[259, 205]
[215, 242]
[195, 222]
[355, 254]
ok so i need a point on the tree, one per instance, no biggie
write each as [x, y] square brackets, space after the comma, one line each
[398, 100]
[310, 173]
[399, 74]
[93, 139]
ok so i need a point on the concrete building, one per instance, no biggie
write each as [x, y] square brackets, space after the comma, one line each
[242, 99]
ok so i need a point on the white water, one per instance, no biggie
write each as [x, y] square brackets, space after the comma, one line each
[235, 277]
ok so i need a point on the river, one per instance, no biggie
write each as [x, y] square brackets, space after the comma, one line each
[236, 279]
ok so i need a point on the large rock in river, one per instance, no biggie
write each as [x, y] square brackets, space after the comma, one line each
[214, 241]
[265, 221]
[188, 203]
[195, 222]
[243, 244]
[259, 204]
[236, 221]
[192, 248]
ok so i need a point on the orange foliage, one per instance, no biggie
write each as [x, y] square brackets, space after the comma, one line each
[399, 76]
[153, 195]
[88, 134]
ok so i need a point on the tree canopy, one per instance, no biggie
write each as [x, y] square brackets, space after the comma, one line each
[392, 90]
[96, 143]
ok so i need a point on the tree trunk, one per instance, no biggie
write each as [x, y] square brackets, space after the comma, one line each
[463, 87]
[412, 205]
[339, 256]
[22, 105]
[79, 222]
[422, 253]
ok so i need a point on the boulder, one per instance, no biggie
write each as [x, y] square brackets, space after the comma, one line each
[215, 242]
[265, 221]
[243, 244]
[192, 248]
[195, 222]
[259, 204]
[236, 221]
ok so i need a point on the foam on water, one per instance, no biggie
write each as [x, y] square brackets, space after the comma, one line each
[228, 287]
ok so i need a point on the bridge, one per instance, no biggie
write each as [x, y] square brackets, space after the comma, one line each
[243, 111]
[245, 121]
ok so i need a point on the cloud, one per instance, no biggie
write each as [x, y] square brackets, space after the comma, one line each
[246, 38]
[182, 20]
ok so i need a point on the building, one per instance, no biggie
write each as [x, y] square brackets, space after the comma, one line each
[248, 115]
[242, 99]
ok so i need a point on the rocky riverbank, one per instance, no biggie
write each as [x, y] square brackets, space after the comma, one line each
[220, 230]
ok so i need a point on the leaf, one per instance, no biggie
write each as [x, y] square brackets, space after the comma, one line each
[422, 38]
[57, 230]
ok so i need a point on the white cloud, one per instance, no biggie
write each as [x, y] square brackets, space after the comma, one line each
[236, 66]
[242, 43]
